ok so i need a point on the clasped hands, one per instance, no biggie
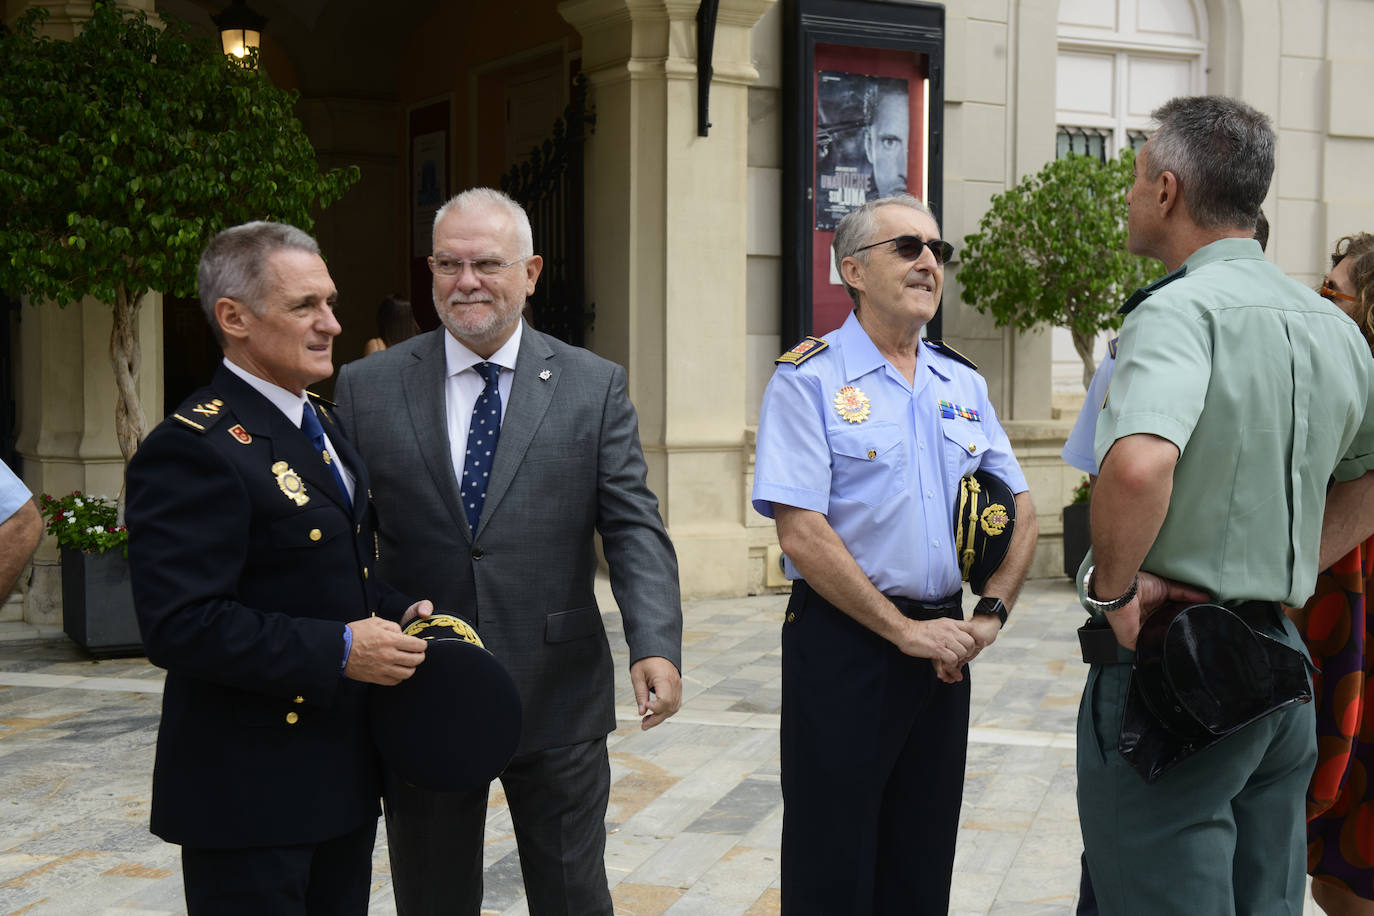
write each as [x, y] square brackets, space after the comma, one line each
[950, 644]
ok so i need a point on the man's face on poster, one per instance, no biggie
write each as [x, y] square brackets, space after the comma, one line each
[885, 143]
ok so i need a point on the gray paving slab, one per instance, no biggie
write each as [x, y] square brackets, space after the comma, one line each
[695, 816]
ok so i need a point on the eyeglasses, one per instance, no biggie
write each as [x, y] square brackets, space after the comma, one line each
[909, 247]
[1331, 293]
[445, 266]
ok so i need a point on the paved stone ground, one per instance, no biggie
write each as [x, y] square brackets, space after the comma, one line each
[695, 814]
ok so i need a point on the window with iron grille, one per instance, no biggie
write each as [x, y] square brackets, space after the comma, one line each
[1085, 141]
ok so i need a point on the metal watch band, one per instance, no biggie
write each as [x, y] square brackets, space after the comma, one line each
[1106, 607]
[992, 606]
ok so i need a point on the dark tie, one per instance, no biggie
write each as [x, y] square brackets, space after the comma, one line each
[310, 425]
[482, 435]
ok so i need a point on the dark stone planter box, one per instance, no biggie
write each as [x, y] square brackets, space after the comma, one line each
[98, 604]
[1078, 537]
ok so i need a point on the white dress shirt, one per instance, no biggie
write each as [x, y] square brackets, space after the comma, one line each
[464, 385]
[293, 406]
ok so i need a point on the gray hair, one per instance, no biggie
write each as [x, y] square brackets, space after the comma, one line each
[232, 265]
[1222, 152]
[490, 198]
[858, 228]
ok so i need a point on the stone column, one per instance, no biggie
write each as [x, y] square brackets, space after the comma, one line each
[66, 406]
[667, 240]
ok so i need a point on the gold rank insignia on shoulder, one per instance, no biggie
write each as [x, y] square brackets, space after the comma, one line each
[240, 434]
[803, 351]
[209, 408]
[852, 404]
[290, 483]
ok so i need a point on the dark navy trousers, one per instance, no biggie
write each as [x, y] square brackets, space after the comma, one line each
[873, 752]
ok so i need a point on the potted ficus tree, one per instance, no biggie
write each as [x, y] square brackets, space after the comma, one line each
[1052, 251]
[123, 151]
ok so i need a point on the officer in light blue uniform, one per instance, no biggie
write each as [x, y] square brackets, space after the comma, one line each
[1078, 450]
[885, 482]
[863, 437]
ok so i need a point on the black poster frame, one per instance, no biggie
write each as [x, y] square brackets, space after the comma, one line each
[915, 26]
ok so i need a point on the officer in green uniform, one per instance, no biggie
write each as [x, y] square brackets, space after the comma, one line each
[1238, 394]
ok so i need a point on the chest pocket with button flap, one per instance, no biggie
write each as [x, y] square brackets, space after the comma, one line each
[310, 529]
[965, 445]
[868, 463]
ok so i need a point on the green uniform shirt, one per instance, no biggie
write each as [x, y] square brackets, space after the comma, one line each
[1262, 385]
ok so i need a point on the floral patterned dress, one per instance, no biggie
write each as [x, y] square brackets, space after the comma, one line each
[1340, 799]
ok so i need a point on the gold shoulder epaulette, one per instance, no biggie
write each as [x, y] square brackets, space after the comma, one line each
[803, 351]
[202, 416]
[939, 346]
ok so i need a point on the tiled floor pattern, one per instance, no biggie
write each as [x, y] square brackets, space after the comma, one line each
[695, 814]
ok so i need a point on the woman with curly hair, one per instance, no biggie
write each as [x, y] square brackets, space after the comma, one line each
[1339, 632]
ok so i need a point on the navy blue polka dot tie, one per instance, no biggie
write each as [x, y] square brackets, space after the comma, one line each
[482, 436]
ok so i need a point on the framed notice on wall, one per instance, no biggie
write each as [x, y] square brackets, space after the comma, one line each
[862, 120]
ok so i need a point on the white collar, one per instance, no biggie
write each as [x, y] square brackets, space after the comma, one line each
[458, 357]
[293, 405]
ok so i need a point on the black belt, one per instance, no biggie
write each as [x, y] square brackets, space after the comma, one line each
[1098, 642]
[952, 606]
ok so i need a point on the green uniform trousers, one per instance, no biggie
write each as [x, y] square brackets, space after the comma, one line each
[1221, 834]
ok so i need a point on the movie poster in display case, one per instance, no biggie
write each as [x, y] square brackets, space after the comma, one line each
[863, 120]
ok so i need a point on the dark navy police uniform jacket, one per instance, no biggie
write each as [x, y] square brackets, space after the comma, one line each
[246, 564]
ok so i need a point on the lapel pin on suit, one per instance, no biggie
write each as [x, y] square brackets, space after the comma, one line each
[544, 376]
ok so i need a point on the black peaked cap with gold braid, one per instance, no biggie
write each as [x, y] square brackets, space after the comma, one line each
[984, 519]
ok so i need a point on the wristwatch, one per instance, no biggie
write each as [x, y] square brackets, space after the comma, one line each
[1106, 607]
[992, 606]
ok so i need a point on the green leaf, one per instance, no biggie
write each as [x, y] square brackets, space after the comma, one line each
[141, 142]
[114, 148]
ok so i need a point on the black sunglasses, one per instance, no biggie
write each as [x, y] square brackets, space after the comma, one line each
[909, 247]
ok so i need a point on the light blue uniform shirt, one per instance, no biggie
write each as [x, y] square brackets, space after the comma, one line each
[13, 493]
[1078, 450]
[887, 483]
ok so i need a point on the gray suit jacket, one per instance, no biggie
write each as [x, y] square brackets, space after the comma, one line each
[568, 463]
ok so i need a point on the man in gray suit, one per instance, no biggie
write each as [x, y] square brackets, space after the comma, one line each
[496, 453]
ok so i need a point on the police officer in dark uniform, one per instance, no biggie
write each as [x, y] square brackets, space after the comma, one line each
[864, 436]
[250, 546]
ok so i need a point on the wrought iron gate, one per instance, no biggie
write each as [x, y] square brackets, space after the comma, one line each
[550, 186]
